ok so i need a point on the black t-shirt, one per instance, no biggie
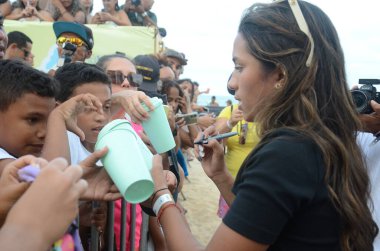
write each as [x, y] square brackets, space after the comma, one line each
[282, 198]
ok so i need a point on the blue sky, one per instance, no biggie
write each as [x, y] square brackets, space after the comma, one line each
[205, 30]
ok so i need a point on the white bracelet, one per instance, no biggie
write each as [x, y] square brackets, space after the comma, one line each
[144, 14]
[229, 124]
[165, 198]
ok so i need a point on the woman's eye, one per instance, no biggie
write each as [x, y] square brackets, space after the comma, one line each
[238, 68]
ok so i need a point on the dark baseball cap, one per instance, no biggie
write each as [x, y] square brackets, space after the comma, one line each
[149, 68]
[175, 54]
[78, 29]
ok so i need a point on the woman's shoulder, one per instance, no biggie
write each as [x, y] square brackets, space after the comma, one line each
[287, 149]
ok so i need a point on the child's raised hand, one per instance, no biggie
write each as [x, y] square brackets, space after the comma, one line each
[11, 188]
[76, 105]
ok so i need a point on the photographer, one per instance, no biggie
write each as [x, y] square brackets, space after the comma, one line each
[371, 150]
[368, 142]
[75, 42]
[366, 99]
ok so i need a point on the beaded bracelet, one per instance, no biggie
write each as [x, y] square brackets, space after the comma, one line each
[165, 206]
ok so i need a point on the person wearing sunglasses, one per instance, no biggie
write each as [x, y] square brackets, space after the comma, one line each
[121, 71]
[305, 185]
[74, 42]
[19, 47]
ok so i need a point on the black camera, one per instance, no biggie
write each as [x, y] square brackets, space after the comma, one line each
[363, 96]
[67, 53]
[136, 2]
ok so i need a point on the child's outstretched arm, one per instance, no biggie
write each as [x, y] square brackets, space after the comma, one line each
[64, 118]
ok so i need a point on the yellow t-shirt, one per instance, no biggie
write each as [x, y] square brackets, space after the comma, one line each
[236, 153]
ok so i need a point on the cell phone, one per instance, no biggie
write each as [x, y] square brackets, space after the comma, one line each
[190, 118]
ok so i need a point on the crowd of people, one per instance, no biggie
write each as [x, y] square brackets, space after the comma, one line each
[300, 173]
[137, 13]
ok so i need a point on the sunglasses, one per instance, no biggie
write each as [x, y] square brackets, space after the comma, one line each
[73, 40]
[117, 78]
[300, 19]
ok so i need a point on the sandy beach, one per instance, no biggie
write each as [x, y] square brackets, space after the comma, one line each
[201, 203]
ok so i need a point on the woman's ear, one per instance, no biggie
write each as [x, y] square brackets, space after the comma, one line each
[278, 77]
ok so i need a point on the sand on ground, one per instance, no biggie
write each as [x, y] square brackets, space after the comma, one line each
[201, 203]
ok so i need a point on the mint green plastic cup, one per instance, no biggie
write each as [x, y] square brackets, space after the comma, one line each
[157, 127]
[126, 160]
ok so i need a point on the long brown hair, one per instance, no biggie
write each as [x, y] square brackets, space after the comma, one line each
[314, 101]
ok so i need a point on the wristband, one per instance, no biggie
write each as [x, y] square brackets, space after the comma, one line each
[165, 198]
[155, 193]
[229, 124]
[144, 14]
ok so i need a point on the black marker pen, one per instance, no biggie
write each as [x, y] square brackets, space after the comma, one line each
[217, 137]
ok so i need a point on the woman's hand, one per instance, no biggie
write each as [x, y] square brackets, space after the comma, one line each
[105, 16]
[211, 155]
[131, 102]
[96, 19]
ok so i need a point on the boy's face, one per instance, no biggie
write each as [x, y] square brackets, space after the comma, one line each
[23, 125]
[91, 122]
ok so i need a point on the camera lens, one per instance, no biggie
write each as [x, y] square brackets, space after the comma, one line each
[360, 100]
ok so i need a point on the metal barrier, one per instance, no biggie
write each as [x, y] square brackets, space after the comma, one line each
[110, 237]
